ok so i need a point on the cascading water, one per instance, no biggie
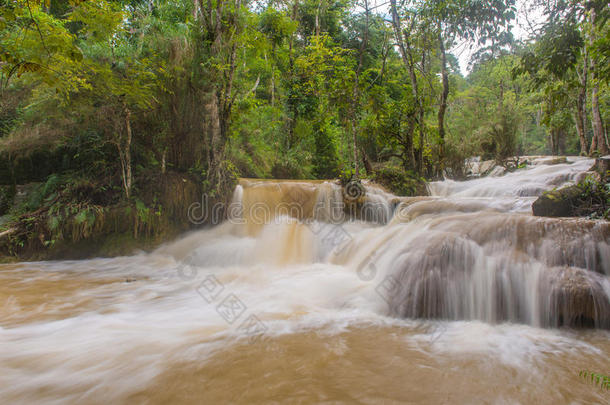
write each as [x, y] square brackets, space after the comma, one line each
[299, 298]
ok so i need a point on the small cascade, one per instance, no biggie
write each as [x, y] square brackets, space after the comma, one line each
[329, 204]
[260, 202]
[528, 182]
[469, 251]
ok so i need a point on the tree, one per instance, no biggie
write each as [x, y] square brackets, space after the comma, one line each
[485, 22]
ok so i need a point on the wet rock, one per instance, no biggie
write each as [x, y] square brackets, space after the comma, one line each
[497, 171]
[554, 160]
[558, 203]
[576, 299]
[486, 167]
[591, 175]
[445, 275]
[474, 167]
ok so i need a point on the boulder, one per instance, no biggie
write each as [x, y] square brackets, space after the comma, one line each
[576, 298]
[497, 171]
[558, 203]
[486, 166]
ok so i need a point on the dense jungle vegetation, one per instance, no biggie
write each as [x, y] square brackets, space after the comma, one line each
[125, 110]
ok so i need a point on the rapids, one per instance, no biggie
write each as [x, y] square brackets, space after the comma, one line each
[459, 297]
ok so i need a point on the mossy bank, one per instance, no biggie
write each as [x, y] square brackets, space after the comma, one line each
[72, 218]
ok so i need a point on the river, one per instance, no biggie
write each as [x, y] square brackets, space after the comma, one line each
[460, 297]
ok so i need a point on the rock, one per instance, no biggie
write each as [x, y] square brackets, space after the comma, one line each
[554, 160]
[576, 298]
[486, 166]
[474, 167]
[400, 182]
[439, 276]
[497, 171]
[602, 165]
[557, 203]
[592, 175]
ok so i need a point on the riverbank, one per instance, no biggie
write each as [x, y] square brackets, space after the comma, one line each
[82, 218]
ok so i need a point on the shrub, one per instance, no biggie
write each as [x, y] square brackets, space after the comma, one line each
[400, 182]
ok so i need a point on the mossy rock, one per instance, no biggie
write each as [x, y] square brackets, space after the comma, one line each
[558, 203]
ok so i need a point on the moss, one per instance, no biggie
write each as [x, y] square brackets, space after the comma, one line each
[590, 198]
[557, 203]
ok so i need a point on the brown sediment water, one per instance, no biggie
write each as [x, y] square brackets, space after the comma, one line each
[460, 297]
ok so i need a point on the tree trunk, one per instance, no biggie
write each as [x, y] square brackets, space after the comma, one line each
[598, 127]
[221, 29]
[444, 94]
[580, 119]
[214, 135]
[593, 147]
[561, 141]
[581, 106]
[355, 90]
[124, 148]
[272, 84]
[404, 47]
[355, 147]
[293, 110]
[367, 163]
[317, 22]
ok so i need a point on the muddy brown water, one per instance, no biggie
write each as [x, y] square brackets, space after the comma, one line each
[456, 298]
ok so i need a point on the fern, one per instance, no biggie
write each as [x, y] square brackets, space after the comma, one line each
[596, 378]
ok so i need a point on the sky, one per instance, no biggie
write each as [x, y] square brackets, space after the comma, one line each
[520, 31]
[462, 50]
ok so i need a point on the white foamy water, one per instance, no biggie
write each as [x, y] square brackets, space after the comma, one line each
[317, 307]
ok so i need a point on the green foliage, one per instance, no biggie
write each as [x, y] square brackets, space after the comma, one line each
[325, 160]
[7, 194]
[596, 379]
[595, 198]
[399, 181]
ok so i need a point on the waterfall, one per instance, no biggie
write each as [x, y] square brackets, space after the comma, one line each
[304, 296]
[470, 251]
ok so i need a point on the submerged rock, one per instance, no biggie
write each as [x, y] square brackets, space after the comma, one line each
[543, 272]
[577, 298]
[554, 160]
